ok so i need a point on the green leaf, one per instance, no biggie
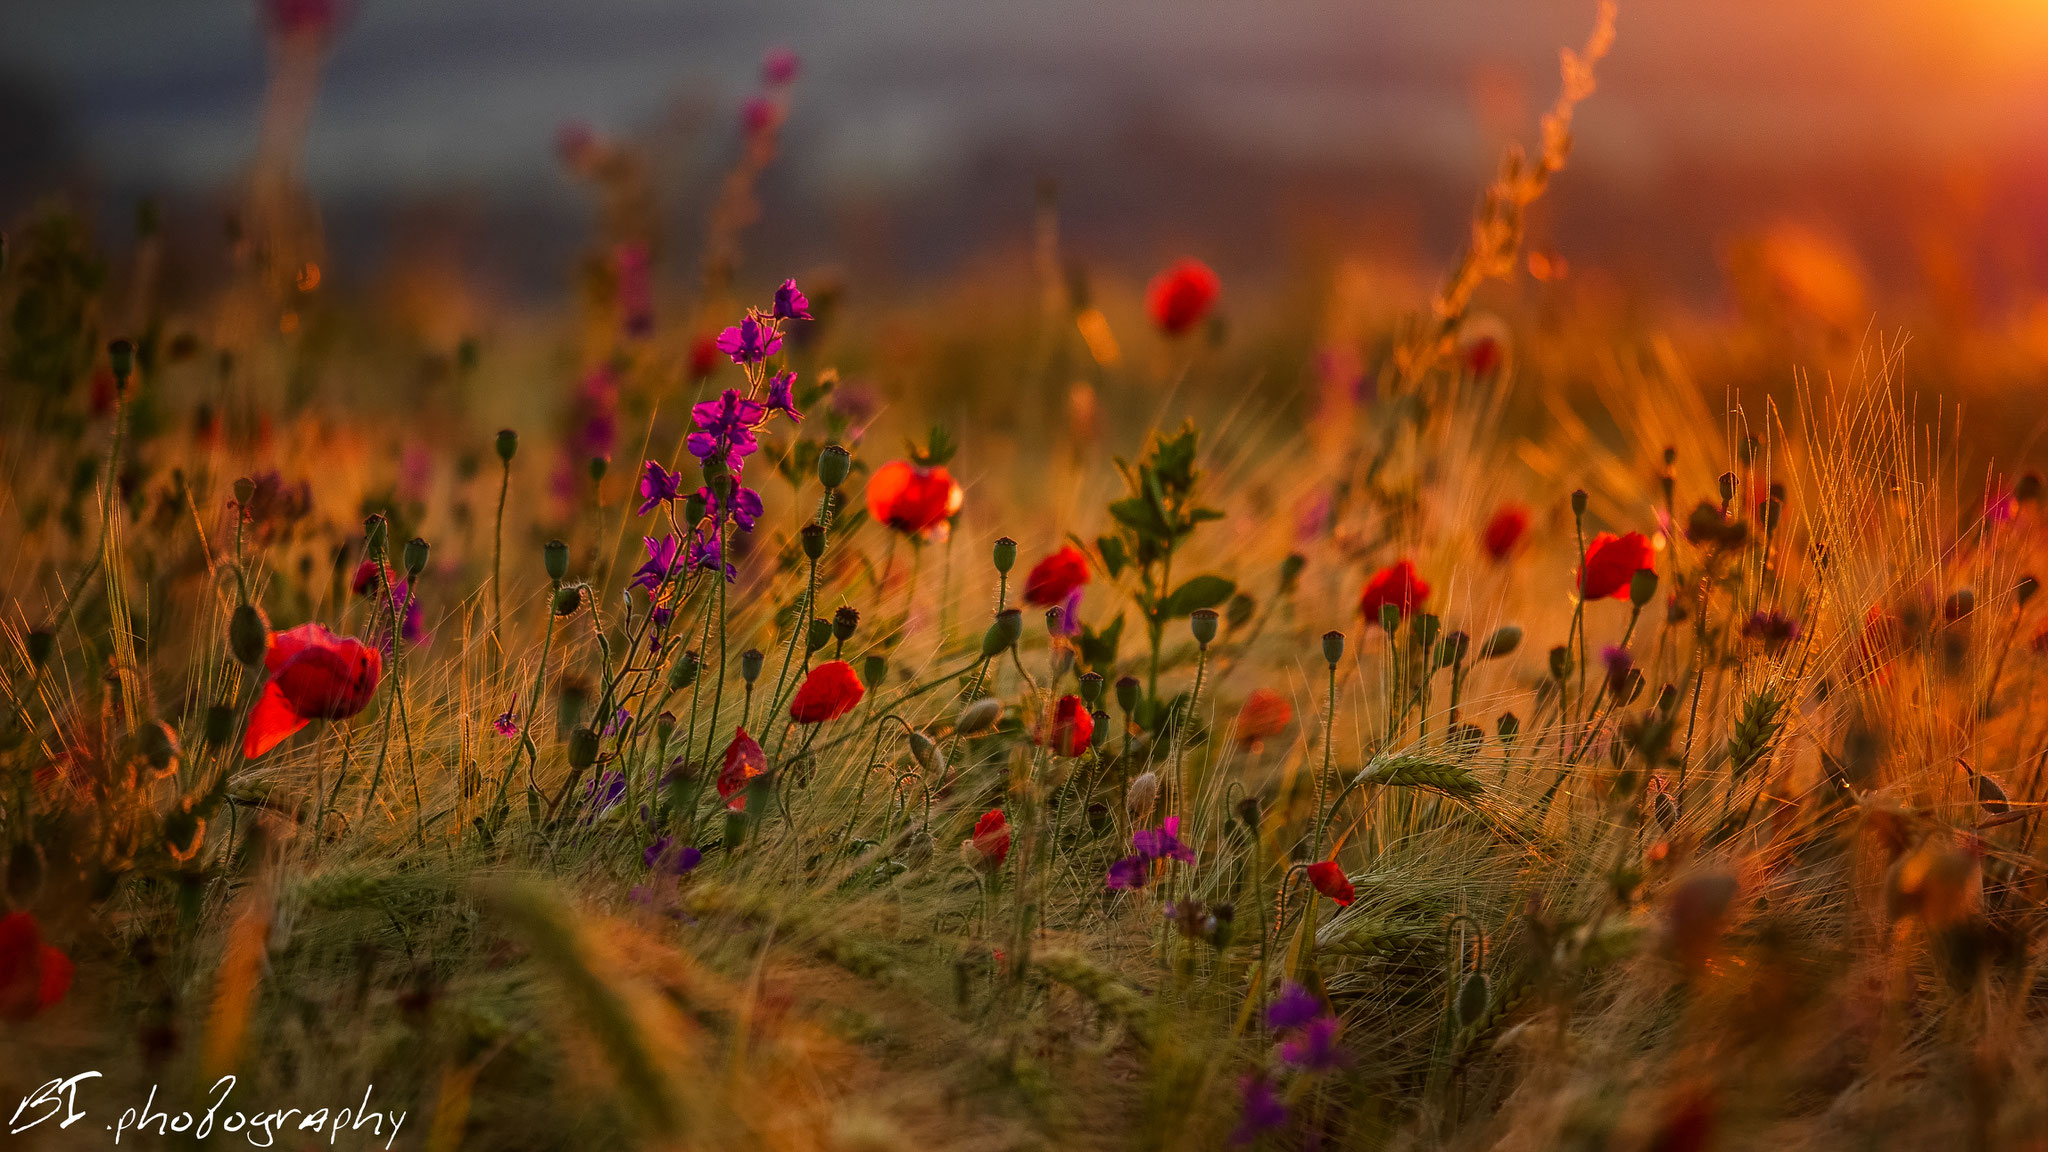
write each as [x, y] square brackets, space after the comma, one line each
[1098, 649]
[1140, 516]
[1113, 555]
[1200, 592]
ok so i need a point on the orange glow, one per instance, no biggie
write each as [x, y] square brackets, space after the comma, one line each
[309, 276]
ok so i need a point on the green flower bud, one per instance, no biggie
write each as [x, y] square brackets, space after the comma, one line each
[1333, 647]
[1238, 612]
[555, 558]
[121, 357]
[159, 744]
[1007, 629]
[833, 465]
[683, 672]
[1290, 571]
[1642, 587]
[1472, 999]
[245, 491]
[978, 716]
[750, 665]
[508, 444]
[41, 642]
[249, 635]
[1560, 662]
[1579, 502]
[813, 536]
[582, 748]
[376, 530]
[1390, 617]
[1504, 640]
[820, 634]
[599, 465]
[220, 725]
[1005, 555]
[845, 619]
[1203, 624]
[927, 754]
[415, 557]
[568, 598]
[1127, 694]
[1422, 633]
[1452, 649]
[1091, 688]
[1507, 727]
[872, 670]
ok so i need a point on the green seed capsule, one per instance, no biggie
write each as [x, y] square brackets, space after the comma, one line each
[582, 748]
[568, 598]
[683, 672]
[1504, 640]
[1127, 694]
[844, 621]
[249, 635]
[416, 550]
[1202, 622]
[1290, 571]
[555, 558]
[376, 534]
[508, 444]
[820, 634]
[833, 465]
[1507, 727]
[599, 465]
[872, 670]
[1100, 735]
[1333, 647]
[1642, 587]
[121, 358]
[1005, 555]
[1091, 688]
[750, 664]
[813, 537]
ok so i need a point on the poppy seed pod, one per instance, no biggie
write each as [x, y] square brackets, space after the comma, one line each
[1453, 648]
[1424, 633]
[819, 635]
[1560, 662]
[1642, 587]
[813, 536]
[1091, 687]
[1098, 734]
[1053, 618]
[2026, 588]
[555, 558]
[376, 531]
[927, 754]
[833, 465]
[1333, 647]
[1504, 640]
[750, 664]
[248, 635]
[416, 551]
[979, 716]
[693, 507]
[1006, 631]
[599, 465]
[40, 643]
[1727, 486]
[1202, 622]
[1127, 694]
[845, 619]
[1507, 727]
[582, 748]
[220, 725]
[872, 670]
[683, 672]
[245, 491]
[121, 358]
[1579, 502]
[568, 598]
[1390, 617]
[1290, 571]
[1005, 555]
[508, 444]
[159, 745]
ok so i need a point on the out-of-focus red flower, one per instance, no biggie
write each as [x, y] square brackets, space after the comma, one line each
[744, 760]
[704, 356]
[364, 581]
[1181, 296]
[1611, 562]
[992, 838]
[1265, 714]
[1330, 880]
[1396, 584]
[1504, 531]
[913, 500]
[1054, 578]
[829, 692]
[1072, 726]
[33, 975]
[314, 675]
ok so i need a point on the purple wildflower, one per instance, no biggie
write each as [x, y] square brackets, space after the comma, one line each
[661, 561]
[1314, 1047]
[664, 855]
[1619, 664]
[658, 485]
[791, 303]
[745, 510]
[1070, 614]
[1773, 628]
[1295, 1007]
[1263, 1110]
[1163, 842]
[1127, 873]
[605, 791]
[725, 425]
[782, 396]
[750, 341]
[705, 553]
[617, 723]
[506, 725]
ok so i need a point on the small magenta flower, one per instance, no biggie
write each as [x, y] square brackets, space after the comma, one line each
[1151, 844]
[661, 561]
[745, 510]
[750, 341]
[791, 303]
[665, 855]
[725, 426]
[658, 486]
[1313, 1047]
[782, 396]
[1263, 1109]
[1294, 1007]
[506, 725]
[705, 553]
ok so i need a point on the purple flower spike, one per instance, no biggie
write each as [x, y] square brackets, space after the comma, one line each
[661, 560]
[705, 553]
[1295, 1007]
[791, 303]
[782, 396]
[1314, 1047]
[1163, 842]
[658, 486]
[1128, 873]
[745, 510]
[1263, 1110]
[750, 341]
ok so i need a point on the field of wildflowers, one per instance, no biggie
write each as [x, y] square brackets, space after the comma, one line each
[622, 729]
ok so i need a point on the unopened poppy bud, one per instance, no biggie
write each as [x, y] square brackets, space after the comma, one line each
[599, 465]
[1453, 649]
[2026, 588]
[41, 642]
[1642, 587]
[1670, 455]
[1507, 726]
[416, 550]
[844, 620]
[1053, 616]
[750, 664]
[721, 486]
[1091, 688]
[979, 716]
[1727, 486]
[376, 531]
[1127, 694]
[927, 754]
[1560, 662]
[1290, 571]
[813, 537]
[872, 670]
[833, 465]
[121, 358]
[1144, 790]
[220, 725]
[1472, 999]
[508, 444]
[1667, 698]
[693, 507]
[819, 635]
[2028, 490]
[1390, 618]
[1005, 555]
[1099, 734]
[582, 748]
[1423, 632]
[1202, 622]
[568, 598]
[1333, 647]
[1579, 502]
[1248, 812]
[664, 724]
[555, 558]
[245, 491]
[683, 672]
[1504, 640]
[1006, 631]
[248, 635]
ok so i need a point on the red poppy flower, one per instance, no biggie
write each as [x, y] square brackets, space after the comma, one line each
[365, 580]
[704, 356]
[1611, 562]
[744, 760]
[1072, 726]
[911, 499]
[1331, 881]
[314, 675]
[1055, 578]
[829, 692]
[1265, 714]
[1396, 584]
[33, 975]
[1505, 531]
[992, 838]
[1181, 296]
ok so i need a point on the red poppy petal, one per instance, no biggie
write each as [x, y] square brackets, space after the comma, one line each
[56, 977]
[271, 722]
